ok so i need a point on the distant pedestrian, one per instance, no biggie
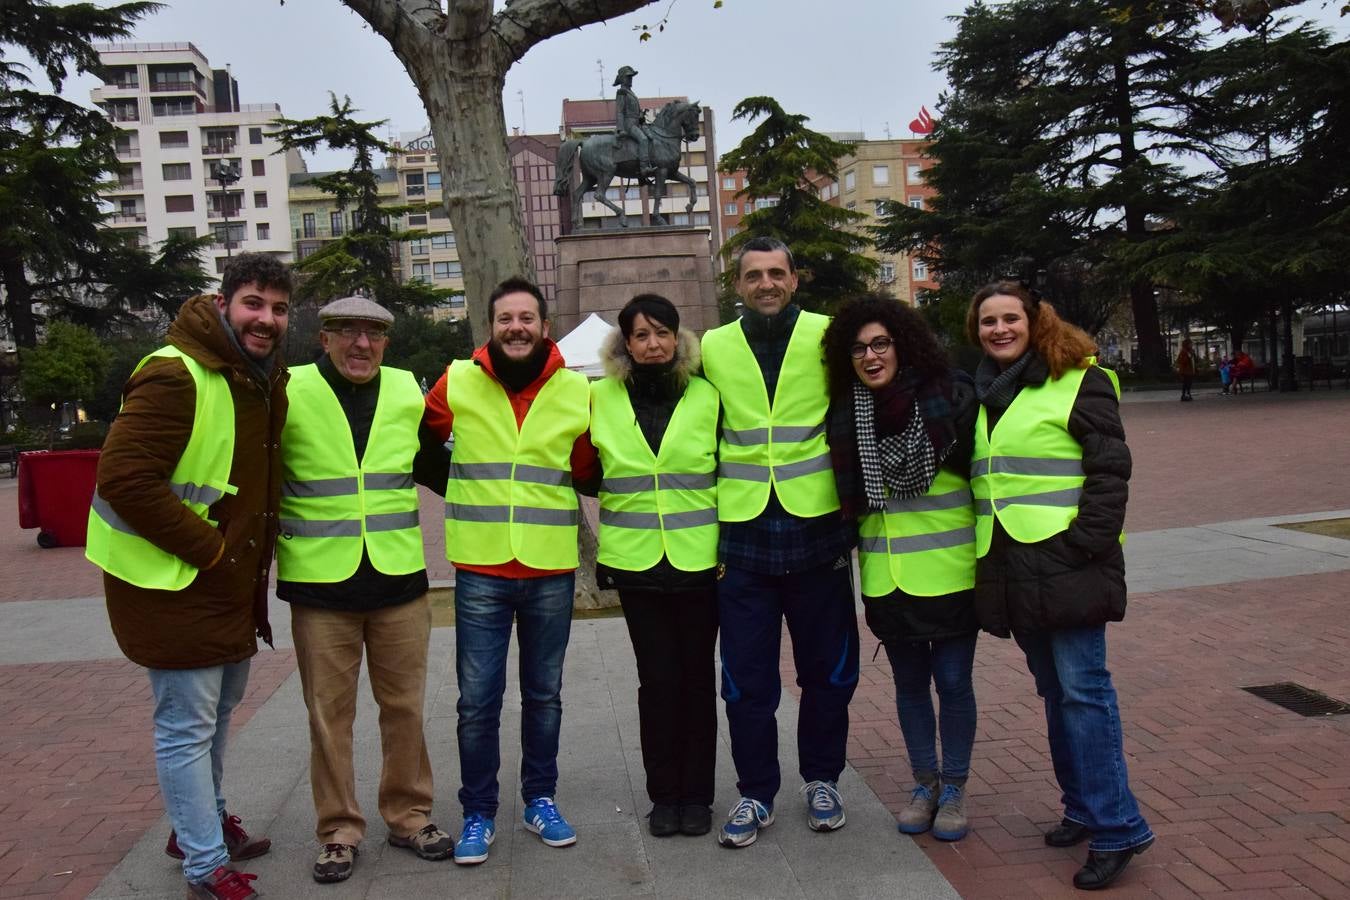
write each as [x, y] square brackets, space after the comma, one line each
[1226, 373]
[1186, 365]
[1050, 475]
[183, 524]
[899, 427]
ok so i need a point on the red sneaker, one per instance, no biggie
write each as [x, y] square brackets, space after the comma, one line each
[237, 841]
[224, 884]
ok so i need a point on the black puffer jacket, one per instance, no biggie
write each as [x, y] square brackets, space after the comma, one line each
[1077, 577]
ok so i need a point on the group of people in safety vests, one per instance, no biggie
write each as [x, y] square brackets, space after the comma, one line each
[735, 477]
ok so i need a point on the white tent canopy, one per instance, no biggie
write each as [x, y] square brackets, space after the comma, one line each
[581, 347]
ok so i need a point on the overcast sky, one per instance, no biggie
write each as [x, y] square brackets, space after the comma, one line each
[850, 65]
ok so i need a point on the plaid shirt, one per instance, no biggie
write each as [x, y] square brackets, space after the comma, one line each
[776, 542]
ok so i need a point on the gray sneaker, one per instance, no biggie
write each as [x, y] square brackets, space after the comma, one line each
[917, 817]
[951, 823]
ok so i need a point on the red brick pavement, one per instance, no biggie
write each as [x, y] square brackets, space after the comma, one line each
[79, 784]
[1247, 799]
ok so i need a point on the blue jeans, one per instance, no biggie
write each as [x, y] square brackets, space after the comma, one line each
[484, 608]
[192, 724]
[818, 607]
[1083, 722]
[946, 664]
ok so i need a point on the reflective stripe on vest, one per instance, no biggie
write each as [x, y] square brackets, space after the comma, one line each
[780, 444]
[509, 494]
[1028, 473]
[200, 479]
[333, 507]
[925, 546]
[663, 503]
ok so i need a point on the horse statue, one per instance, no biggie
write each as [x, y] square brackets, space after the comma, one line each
[604, 156]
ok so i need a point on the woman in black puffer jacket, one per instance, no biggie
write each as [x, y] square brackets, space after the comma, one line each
[1050, 474]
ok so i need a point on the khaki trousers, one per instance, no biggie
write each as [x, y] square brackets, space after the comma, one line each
[328, 647]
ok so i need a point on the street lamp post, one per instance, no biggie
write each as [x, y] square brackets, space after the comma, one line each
[226, 175]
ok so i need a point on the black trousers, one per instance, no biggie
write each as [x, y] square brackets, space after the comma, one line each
[673, 639]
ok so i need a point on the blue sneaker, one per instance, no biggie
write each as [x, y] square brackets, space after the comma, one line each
[744, 821]
[474, 840]
[543, 818]
[824, 807]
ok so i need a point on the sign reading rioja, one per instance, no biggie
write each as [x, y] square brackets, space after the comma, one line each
[420, 144]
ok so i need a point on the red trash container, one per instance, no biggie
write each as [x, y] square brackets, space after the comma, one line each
[55, 489]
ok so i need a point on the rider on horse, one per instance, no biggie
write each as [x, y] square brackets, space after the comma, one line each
[630, 119]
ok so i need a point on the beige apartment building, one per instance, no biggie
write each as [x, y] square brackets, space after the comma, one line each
[178, 122]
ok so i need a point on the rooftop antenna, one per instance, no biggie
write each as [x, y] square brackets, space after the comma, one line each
[600, 67]
[521, 95]
[886, 127]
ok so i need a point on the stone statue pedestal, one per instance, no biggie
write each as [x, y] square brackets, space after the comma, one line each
[600, 271]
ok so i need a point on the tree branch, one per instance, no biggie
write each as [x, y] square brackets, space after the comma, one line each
[392, 19]
[524, 23]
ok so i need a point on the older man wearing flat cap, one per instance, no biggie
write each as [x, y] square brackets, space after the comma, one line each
[350, 563]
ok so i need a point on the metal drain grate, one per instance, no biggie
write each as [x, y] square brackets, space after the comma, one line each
[1299, 699]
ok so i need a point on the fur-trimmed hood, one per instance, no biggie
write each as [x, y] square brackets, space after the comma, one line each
[619, 364]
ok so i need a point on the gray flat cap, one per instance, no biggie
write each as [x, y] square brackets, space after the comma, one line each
[356, 308]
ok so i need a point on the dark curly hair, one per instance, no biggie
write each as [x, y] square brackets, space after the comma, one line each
[916, 347]
[262, 269]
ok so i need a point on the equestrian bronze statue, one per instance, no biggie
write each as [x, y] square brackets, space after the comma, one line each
[603, 156]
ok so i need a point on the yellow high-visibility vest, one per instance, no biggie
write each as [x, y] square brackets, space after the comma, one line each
[925, 546]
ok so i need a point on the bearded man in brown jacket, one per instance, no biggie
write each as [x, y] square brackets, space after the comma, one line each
[183, 524]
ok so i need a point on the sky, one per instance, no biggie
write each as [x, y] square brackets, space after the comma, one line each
[849, 65]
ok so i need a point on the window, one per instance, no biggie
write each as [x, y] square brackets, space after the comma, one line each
[417, 248]
[850, 180]
[886, 273]
[171, 139]
[920, 270]
[701, 218]
[255, 135]
[176, 171]
[731, 209]
[189, 232]
[850, 205]
[913, 173]
[309, 230]
[443, 270]
[881, 175]
[264, 231]
[234, 234]
[916, 201]
[433, 181]
[732, 231]
[259, 167]
[417, 219]
[729, 184]
[335, 223]
[178, 203]
[443, 241]
[260, 199]
[765, 202]
[173, 106]
[879, 206]
[439, 213]
[416, 184]
[421, 271]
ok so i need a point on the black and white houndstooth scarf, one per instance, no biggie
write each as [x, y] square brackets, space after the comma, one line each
[905, 462]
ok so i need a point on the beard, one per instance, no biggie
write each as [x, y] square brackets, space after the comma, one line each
[517, 374]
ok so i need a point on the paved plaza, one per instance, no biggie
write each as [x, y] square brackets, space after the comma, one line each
[1247, 799]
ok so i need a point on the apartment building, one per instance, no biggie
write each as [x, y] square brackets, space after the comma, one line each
[534, 168]
[581, 118]
[434, 259]
[315, 217]
[179, 122]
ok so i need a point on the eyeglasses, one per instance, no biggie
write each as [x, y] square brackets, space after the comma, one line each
[879, 346]
[348, 333]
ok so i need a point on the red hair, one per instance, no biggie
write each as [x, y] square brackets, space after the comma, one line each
[1061, 344]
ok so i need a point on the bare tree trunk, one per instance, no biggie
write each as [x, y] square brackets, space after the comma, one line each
[18, 299]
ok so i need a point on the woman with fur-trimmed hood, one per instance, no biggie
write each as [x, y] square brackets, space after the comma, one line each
[654, 423]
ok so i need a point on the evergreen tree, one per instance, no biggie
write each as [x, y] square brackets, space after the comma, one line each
[54, 154]
[362, 260]
[1057, 144]
[826, 243]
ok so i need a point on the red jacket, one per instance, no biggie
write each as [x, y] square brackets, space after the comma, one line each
[440, 418]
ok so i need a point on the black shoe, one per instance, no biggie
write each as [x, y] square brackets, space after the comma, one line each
[695, 819]
[1066, 834]
[664, 820]
[1104, 866]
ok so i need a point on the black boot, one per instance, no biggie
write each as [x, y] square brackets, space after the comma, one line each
[1104, 866]
[1066, 834]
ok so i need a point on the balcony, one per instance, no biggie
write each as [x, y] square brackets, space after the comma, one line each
[232, 212]
[123, 115]
[129, 152]
[126, 218]
[226, 245]
[175, 87]
[317, 234]
[127, 184]
[218, 147]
